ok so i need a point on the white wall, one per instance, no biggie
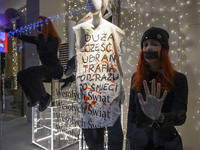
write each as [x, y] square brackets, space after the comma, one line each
[54, 8]
[50, 8]
[182, 20]
[137, 16]
[16, 4]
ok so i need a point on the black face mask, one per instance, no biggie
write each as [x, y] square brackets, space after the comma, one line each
[150, 55]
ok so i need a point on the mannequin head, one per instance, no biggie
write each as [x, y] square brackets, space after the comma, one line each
[89, 15]
[94, 6]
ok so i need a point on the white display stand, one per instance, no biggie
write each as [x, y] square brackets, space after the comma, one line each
[57, 126]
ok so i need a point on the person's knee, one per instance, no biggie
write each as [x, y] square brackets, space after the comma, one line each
[21, 74]
[31, 70]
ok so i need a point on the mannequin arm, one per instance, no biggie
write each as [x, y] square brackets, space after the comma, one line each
[71, 38]
[106, 16]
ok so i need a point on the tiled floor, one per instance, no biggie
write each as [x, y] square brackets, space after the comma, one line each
[16, 135]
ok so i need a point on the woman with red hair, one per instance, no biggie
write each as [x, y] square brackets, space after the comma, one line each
[48, 43]
[158, 97]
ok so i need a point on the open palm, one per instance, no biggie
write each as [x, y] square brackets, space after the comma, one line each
[153, 105]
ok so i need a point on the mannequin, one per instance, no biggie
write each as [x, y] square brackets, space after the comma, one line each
[71, 47]
[99, 79]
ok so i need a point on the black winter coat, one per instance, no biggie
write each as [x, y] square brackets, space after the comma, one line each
[47, 51]
[174, 103]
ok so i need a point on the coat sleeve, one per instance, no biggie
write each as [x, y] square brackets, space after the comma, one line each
[177, 116]
[131, 111]
[26, 38]
[48, 46]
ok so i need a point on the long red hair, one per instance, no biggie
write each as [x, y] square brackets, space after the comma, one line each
[165, 78]
[48, 30]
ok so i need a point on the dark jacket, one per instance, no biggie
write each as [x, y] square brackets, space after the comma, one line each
[47, 51]
[174, 103]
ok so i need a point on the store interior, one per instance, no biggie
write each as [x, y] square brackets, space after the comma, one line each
[180, 18]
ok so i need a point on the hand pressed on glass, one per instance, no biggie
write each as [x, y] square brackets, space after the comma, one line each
[153, 105]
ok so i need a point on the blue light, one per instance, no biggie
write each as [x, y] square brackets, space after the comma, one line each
[57, 17]
[2, 42]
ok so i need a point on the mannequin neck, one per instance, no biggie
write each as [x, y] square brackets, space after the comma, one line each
[97, 19]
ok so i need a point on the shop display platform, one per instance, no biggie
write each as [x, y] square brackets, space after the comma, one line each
[56, 127]
[17, 134]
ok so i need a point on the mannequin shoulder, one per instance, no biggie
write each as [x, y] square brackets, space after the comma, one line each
[83, 25]
[114, 27]
[106, 24]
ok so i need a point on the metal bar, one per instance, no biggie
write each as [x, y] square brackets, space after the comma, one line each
[52, 128]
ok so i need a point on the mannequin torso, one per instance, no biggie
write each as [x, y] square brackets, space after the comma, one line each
[99, 71]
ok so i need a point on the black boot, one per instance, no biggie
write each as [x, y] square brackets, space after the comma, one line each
[70, 67]
[33, 102]
[44, 102]
[68, 82]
